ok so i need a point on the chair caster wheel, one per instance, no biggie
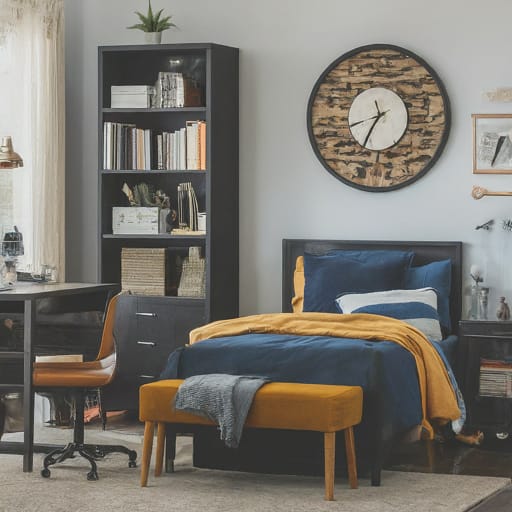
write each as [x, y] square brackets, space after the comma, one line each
[132, 464]
[45, 473]
[92, 475]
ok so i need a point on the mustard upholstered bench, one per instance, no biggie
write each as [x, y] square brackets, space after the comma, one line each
[278, 405]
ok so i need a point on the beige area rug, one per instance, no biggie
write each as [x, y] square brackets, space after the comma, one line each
[196, 490]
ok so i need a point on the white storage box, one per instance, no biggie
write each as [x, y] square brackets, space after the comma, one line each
[131, 96]
[138, 220]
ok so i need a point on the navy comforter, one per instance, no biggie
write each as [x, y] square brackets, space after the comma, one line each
[385, 370]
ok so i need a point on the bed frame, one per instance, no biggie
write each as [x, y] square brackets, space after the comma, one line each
[259, 447]
[425, 252]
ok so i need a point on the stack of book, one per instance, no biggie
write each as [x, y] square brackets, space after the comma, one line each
[174, 90]
[131, 96]
[126, 147]
[495, 378]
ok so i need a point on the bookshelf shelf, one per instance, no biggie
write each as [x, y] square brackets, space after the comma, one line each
[153, 110]
[213, 69]
[154, 171]
[162, 236]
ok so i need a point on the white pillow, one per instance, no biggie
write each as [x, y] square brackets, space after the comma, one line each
[416, 307]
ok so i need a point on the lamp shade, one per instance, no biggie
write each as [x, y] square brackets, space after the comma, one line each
[8, 158]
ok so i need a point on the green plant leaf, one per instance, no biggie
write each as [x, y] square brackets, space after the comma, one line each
[152, 22]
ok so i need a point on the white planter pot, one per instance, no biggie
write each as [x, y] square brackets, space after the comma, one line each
[153, 37]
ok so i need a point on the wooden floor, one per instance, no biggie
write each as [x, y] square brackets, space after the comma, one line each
[493, 458]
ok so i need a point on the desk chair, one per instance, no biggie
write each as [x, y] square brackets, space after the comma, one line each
[79, 378]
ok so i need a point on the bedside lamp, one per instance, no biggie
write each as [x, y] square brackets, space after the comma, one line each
[9, 159]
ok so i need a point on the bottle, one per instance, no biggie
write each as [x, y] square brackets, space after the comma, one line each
[473, 311]
[483, 300]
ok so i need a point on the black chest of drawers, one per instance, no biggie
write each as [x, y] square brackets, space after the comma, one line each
[147, 330]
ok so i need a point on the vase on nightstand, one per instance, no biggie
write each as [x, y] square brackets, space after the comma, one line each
[473, 310]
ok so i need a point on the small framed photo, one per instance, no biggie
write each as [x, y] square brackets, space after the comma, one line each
[492, 143]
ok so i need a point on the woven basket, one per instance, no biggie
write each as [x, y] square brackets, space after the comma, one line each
[144, 271]
[193, 275]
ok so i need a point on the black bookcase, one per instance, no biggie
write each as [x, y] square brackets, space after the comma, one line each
[160, 324]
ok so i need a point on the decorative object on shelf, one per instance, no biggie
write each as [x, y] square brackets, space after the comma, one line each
[507, 224]
[144, 271]
[486, 226]
[153, 24]
[139, 220]
[476, 274]
[492, 145]
[193, 275]
[503, 311]
[131, 96]
[9, 159]
[479, 192]
[483, 302]
[187, 207]
[12, 248]
[378, 118]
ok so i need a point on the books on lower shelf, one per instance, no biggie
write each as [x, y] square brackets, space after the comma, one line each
[495, 378]
[127, 147]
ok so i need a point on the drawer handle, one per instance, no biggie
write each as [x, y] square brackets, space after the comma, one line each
[147, 376]
[152, 315]
[149, 343]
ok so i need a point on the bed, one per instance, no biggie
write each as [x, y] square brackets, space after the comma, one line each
[387, 372]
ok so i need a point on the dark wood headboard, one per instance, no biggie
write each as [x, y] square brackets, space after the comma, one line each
[425, 252]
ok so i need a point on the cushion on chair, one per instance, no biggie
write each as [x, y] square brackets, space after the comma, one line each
[280, 405]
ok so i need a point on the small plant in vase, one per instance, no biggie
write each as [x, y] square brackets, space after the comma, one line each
[153, 24]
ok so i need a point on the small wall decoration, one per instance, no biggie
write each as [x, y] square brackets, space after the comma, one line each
[378, 118]
[492, 144]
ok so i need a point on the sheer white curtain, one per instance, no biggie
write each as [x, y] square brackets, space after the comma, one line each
[32, 111]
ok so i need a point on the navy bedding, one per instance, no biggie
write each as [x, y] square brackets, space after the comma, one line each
[385, 370]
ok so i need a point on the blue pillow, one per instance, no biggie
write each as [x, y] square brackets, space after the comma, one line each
[437, 275]
[415, 307]
[336, 272]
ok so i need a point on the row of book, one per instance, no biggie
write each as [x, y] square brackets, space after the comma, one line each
[495, 378]
[126, 147]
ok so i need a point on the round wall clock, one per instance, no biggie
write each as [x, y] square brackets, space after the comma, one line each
[378, 117]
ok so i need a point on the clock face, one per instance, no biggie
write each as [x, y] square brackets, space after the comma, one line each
[378, 118]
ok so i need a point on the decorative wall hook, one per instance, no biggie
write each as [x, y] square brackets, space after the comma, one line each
[479, 192]
[486, 225]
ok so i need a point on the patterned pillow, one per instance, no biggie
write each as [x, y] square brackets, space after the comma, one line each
[416, 307]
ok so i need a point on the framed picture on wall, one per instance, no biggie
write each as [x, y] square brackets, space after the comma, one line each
[492, 143]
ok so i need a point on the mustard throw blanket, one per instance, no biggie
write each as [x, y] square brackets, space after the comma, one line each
[438, 400]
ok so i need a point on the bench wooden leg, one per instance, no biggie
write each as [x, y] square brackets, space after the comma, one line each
[160, 444]
[351, 457]
[147, 447]
[329, 450]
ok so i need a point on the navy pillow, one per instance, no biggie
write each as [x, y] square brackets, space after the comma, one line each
[336, 272]
[437, 275]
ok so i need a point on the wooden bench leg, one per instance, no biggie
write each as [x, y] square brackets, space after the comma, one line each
[329, 450]
[160, 444]
[147, 447]
[351, 457]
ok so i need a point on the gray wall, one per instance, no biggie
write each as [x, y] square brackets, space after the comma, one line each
[284, 190]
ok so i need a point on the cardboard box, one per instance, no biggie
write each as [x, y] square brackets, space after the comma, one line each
[137, 220]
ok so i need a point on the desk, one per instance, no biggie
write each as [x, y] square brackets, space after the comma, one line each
[29, 294]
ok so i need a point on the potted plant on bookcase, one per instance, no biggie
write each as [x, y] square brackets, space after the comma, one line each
[153, 24]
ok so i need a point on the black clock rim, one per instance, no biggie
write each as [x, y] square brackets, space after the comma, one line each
[442, 90]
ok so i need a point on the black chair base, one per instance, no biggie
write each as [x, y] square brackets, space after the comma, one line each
[90, 452]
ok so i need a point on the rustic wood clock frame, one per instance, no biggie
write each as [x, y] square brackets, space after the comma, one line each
[428, 125]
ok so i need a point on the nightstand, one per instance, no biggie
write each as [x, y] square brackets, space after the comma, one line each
[488, 395]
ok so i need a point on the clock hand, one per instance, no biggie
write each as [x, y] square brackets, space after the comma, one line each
[369, 118]
[377, 107]
[363, 121]
[379, 116]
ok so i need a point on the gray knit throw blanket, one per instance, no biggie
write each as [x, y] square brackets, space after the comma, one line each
[224, 399]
